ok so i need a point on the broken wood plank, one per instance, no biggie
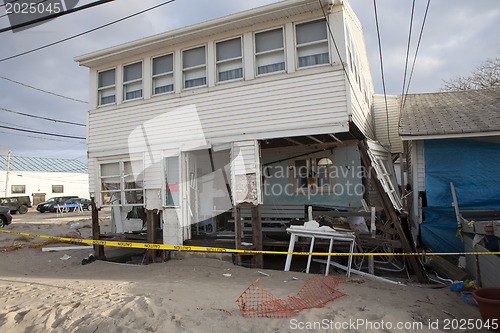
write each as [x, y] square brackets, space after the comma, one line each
[96, 230]
[257, 236]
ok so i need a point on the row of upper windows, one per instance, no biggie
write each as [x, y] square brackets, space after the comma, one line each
[311, 47]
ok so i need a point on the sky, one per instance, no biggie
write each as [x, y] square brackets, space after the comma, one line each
[458, 36]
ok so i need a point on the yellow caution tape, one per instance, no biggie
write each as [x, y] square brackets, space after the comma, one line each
[149, 246]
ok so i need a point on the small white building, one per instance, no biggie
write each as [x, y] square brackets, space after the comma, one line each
[264, 106]
[42, 178]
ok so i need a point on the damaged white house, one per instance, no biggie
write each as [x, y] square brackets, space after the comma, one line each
[262, 108]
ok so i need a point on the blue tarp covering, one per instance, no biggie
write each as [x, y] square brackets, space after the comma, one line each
[474, 168]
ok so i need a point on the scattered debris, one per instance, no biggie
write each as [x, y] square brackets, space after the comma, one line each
[227, 275]
[66, 248]
[265, 274]
[88, 260]
[71, 234]
[446, 269]
[222, 310]
[65, 257]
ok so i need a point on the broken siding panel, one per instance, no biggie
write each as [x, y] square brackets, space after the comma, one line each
[312, 101]
[419, 147]
[388, 136]
[245, 172]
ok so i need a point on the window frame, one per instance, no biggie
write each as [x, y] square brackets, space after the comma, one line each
[99, 89]
[122, 190]
[166, 204]
[184, 70]
[17, 192]
[62, 187]
[257, 54]
[240, 58]
[297, 46]
[125, 83]
[312, 188]
[155, 76]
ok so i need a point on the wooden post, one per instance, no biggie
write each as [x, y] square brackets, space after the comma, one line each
[237, 234]
[414, 262]
[257, 235]
[151, 233]
[96, 230]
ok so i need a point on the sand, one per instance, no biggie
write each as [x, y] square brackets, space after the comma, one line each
[39, 292]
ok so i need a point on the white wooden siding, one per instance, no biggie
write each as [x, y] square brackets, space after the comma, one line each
[390, 139]
[245, 172]
[419, 148]
[313, 103]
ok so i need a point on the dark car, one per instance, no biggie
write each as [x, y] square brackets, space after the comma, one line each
[86, 203]
[5, 217]
[49, 205]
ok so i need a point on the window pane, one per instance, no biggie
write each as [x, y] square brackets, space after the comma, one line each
[57, 189]
[301, 173]
[106, 96]
[132, 72]
[111, 198]
[270, 62]
[229, 49]
[311, 31]
[230, 70]
[269, 40]
[110, 169]
[163, 64]
[134, 197]
[18, 189]
[193, 57]
[315, 54]
[164, 83]
[133, 90]
[106, 78]
[194, 78]
[172, 176]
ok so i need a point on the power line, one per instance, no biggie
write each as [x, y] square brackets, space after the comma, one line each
[43, 133]
[86, 32]
[416, 52]
[52, 16]
[44, 118]
[382, 72]
[408, 50]
[42, 90]
[42, 138]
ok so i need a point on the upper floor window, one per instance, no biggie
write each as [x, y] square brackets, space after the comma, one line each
[106, 87]
[269, 51]
[194, 67]
[312, 43]
[18, 189]
[57, 188]
[132, 81]
[163, 74]
[229, 60]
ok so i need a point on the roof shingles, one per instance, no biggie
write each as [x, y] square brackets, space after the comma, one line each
[41, 164]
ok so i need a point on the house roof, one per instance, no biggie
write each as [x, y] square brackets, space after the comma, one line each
[451, 113]
[204, 29]
[41, 164]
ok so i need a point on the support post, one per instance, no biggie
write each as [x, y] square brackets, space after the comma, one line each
[257, 235]
[151, 233]
[96, 230]
[237, 235]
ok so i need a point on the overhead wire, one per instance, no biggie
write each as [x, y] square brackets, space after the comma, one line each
[86, 32]
[54, 15]
[44, 118]
[43, 133]
[416, 53]
[42, 90]
[382, 72]
[407, 51]
[42, 138]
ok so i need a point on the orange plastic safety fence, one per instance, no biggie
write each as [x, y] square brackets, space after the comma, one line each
[316, 293]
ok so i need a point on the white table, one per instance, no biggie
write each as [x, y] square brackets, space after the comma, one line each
[321, 233]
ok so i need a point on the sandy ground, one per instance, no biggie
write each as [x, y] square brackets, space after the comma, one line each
[39, 292]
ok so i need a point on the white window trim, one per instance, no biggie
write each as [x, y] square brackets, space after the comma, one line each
[256, 54]
[217, 62]
[122, 189]
[184, 70]
[105, 87]
[124, 83]
[312, 187]
[153, 77]
[164, 184]
[311, 43]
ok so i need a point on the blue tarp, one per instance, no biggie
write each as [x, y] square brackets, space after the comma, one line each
[474, 168]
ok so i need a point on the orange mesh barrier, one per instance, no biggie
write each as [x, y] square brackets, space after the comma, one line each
[316, 292]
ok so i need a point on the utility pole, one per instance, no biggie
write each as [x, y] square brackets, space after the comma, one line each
[7, 175]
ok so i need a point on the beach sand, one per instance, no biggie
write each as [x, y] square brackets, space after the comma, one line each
[40, 292]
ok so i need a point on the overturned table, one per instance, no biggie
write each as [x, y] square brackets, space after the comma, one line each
[312, 230]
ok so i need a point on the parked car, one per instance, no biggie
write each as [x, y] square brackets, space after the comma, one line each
[86, 203]
[5, 217]
[17, 204]
[49, 205]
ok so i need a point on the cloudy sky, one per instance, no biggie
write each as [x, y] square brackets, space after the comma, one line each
[458, 36]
